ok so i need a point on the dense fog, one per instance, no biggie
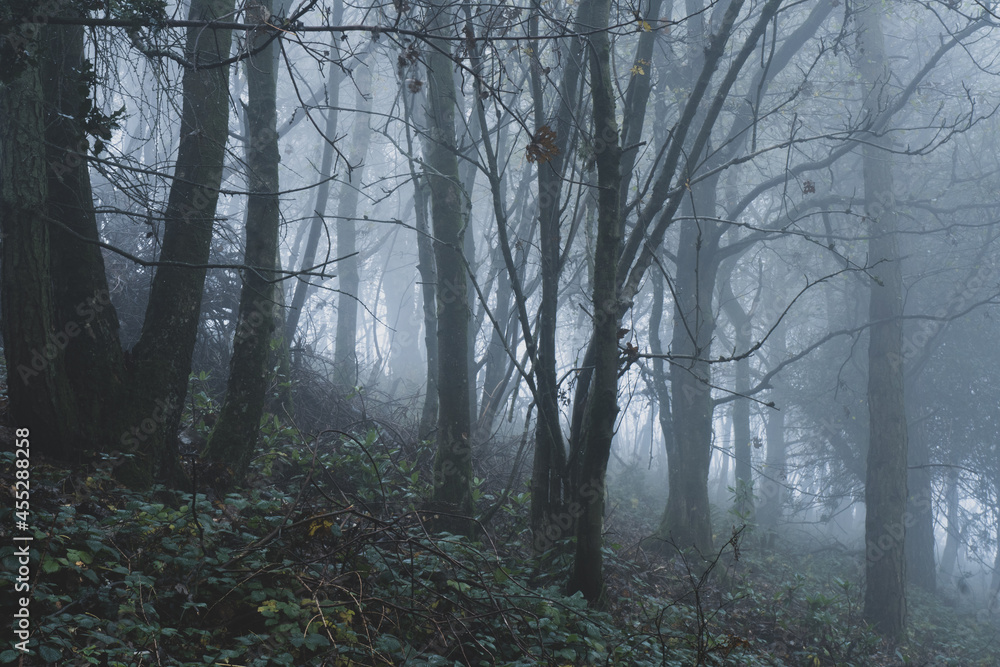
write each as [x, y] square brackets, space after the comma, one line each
[679, 270]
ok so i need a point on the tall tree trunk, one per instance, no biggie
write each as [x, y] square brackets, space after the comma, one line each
[885, 485]
[426, 269]
[772, 491]
[742, 445]
[602, 408]
[468, 170]
[548, 472]
[496, 375]
[404, 348]
[161, 359]
[687, 519]
[920, 569]
[335, 76]
[660, 378]
[39, 389]
[995, 578]
[724, 483]
[345, 353]
[94, 360]
[234, 438]
[453, 462]
[954, 528]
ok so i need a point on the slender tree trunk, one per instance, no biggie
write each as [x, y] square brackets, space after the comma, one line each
[920, 569]
[345, 353]
[234, 438]
[995, 578]
[427, 271]
[495, 371]
[637, 95]
[660, 378]
[467, 173]
[281, 401]
[427, 268]
[404, 348]
[602, 409]
[453, 462]
[742, 445]
[773, 486]
[302, 287]
[723, 483]
[954, 528]
[885, 486]
[548, 472]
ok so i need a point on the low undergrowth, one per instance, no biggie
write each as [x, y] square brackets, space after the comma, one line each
[324, 559]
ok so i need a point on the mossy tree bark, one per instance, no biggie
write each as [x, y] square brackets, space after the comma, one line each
[234, 438]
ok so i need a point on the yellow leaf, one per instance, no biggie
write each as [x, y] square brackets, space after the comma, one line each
[317, 526]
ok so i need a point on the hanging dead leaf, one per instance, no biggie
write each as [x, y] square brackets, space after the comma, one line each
[542, 146]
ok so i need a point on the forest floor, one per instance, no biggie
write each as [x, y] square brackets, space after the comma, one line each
[324, 559]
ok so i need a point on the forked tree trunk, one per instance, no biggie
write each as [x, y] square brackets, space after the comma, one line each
[128, 401]
[687, 518]
[234, 438]
[161, 359]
